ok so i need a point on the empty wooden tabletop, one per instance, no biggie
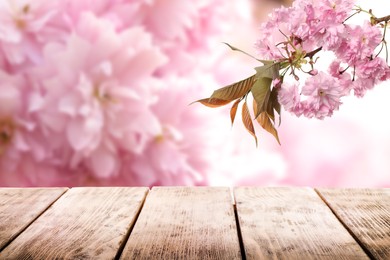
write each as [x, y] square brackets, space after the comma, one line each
[194, 223]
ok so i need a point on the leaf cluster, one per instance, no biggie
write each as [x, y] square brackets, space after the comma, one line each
[265, 98]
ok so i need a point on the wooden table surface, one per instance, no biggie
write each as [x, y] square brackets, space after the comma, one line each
[194, 223]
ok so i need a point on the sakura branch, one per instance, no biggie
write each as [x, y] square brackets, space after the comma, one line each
[292, 41]
[382, 19]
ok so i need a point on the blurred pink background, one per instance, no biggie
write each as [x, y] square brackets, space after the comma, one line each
[181, 144]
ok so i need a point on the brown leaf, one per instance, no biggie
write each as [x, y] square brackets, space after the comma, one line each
[254, 107]
[266, 123]
[274, 105]
[235, 90]
[270, 104]
[212, 102]
[233, 110]
[247, 120]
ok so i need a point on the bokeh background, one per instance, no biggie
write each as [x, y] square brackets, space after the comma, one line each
[98, 93]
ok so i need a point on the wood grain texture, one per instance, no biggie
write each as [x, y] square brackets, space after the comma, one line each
[291, 223]
[85, 223]
[21, 206]
[185, 223]
[366, 213]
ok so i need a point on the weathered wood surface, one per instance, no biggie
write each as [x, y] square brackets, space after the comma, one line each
[85, 223]
[291, 223]
[366, 213]
[185, 223]
[194, 223]
[19, 207]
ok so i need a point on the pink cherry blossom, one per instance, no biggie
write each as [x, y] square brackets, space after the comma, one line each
[170, 157]
[296, 36]
[323, 96]
[319, 97]
[358, 43]
[289, 97]
[104, 109]
[376, 68]
[97, 92]
[313, 23]
[343, 77]
[24, 26]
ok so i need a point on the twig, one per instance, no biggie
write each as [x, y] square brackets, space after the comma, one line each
[381, 19]
[312, 53]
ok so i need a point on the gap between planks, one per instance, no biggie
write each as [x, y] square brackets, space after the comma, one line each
[238, 228]
[39, 235]
[33, 220]
[365, 249]
[127, 236]
[239, 233]
[266, 231]
[193, 225]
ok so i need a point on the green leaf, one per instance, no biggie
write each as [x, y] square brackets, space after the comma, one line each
[233, 110]
[261, 93]
[266, 123]
[237, 49]
[247, 120]
[212, 102]
[269, 70]
[235, 90]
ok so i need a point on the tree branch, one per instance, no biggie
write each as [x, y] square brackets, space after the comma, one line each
[312, 53]
[382, 19]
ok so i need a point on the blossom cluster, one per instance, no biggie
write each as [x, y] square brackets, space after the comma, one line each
[293, 36]
[95, 92]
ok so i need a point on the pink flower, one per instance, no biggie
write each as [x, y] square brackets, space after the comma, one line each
[85, 108]
[340, 7]
[376, 68]
[106, 100]
[334, 11]
[23, 27]
[332, 37]
[319, 97]
[368, 72]
[11, 111]
[358, 43]
[185, 30]
[180, 153]
[308, 26]
[102, 107]
[289, 98]
[343, 77]
[267, 50]
[361, 85]
[313, 23]
[24, 151]
[323, 96]
[121, 13]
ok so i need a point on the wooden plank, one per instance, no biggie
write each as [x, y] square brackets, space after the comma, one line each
[366, 213]
[185, 223]
[291, 223]
[85, 223]
[21, 206]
